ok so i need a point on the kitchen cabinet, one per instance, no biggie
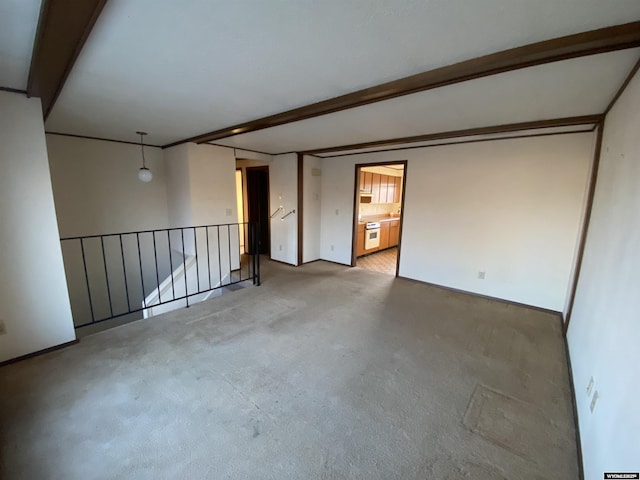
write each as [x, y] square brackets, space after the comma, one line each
[394, 233]
[397, 193]
[366, 176]
[365, 181]
[384, 188]
[375, 187]
[391, 189]
[360, 241]
[384, 235]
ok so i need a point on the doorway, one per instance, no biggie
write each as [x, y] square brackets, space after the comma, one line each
[378, 213]
[258, 205]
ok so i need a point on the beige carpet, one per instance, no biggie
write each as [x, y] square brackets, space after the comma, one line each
[323, 372]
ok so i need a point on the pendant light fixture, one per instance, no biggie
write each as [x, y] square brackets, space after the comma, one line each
[144, 174]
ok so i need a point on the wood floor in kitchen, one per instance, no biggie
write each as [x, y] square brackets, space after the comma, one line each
[383, 262]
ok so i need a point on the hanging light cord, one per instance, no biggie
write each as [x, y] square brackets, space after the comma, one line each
[144, 162]
[142, 147]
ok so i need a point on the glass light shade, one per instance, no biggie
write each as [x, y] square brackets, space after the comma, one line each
[145, 175]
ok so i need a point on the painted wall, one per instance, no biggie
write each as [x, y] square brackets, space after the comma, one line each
[283, 190]
[96, 187]
[201, 180]
[97, 191]
[176, 161]
[311, 221]
[509, 208]
[212, 171]
[604, 332]
[34, 301]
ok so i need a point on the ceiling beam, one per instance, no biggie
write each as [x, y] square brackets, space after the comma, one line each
[469, 132]
[572, 46]
[63, 28]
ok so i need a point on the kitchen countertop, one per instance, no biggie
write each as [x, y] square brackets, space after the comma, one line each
[378, 218]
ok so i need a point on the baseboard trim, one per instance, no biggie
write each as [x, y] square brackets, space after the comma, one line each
[283, 263]
[38, 353]
[486, 297]
[575, 407]
[331, 261]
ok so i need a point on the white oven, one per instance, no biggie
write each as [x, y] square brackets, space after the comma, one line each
[371, 235]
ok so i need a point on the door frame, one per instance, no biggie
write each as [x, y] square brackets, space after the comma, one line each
[356, 205]
[268, 225]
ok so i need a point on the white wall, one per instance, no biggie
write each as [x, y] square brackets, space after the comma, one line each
[283, 190]
[212, 180]
[604, 331]
[96, 186]
[201, 179]
[97, 191]
[510, 208]
[176, 161]
[34, 302]
[311, 221]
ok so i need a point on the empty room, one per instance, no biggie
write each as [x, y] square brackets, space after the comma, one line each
[353, 239]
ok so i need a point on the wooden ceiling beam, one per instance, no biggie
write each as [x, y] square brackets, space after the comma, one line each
[469, 132]
[572, 46]
[63, 28]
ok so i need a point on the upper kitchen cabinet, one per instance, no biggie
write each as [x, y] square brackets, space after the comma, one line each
[375, 187]
[379, 188]
[365, 181]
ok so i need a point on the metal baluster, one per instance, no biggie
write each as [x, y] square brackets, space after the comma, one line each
[252, 230]
[229, 245]
[258, 252]
[184, 269]
[86, 276]
[219, 257]
[155, 256]
[173, 288]
[195, 243]
[144, 298]
[239, 250]
[124, 271]
[106, 275]
[208, 258]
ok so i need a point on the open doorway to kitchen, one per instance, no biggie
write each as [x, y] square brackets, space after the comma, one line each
[379, 202]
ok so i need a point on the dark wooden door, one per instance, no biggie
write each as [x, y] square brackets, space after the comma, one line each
[258, 205]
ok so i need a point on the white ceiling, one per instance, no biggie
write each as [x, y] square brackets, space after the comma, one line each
[179, 69]
[18, 23]
[581, 86]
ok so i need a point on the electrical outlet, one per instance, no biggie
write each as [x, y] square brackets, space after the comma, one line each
[229, 212]
[280, 248]
[337, 211]
[481, 275]
[594, 401]
[3, 327]
[590, 386]
[332, 248]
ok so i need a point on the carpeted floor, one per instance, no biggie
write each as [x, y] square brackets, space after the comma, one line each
[323, 372]
[383, 262]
